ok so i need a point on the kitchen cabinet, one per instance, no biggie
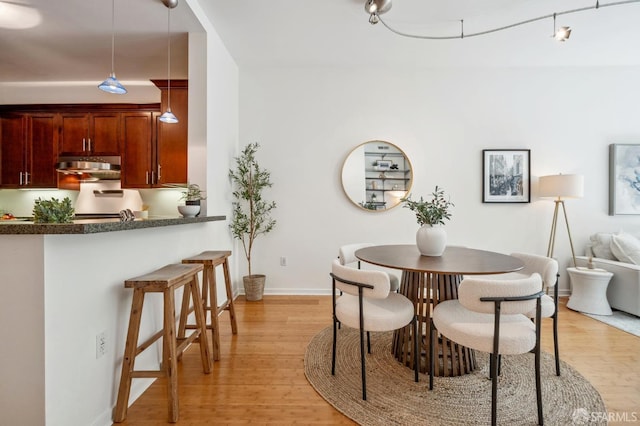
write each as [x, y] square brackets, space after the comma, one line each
[138, 137]
[95, 133]
[172, 139]
[28, 150]
[154, 153]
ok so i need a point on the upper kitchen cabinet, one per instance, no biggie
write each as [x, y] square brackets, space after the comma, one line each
[138, 141]
[172, 139]
[154, 153]
[28, 150]
[95, 133]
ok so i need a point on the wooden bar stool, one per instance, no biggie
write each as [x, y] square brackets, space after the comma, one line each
[211, 259]
[164, 280]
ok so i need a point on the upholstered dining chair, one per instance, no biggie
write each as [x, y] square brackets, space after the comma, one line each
[367, 304]
[347, 256]
[548, 269]
[490, 316]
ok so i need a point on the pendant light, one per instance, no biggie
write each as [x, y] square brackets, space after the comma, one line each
[168, 116]
[111, 84]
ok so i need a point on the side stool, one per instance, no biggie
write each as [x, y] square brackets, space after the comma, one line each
[211, 259]
[164, 280]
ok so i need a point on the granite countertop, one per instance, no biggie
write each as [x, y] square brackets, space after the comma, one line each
[92, 226]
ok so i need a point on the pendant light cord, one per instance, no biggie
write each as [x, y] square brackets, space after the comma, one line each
[113, 36]
[169, 59]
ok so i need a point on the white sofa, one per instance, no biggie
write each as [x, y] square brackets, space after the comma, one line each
[624, 288]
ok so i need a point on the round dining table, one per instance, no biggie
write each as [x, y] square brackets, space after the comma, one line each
[427, 281]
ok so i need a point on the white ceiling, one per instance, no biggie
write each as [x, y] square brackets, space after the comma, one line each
[73, 42]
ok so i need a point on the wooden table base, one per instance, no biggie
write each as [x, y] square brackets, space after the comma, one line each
[426, 290]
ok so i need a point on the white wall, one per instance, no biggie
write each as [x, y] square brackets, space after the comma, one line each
[308, 120]
[81, 390]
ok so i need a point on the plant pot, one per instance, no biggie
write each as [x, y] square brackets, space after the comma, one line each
[431, 240]
[189, 210]
[254, 286]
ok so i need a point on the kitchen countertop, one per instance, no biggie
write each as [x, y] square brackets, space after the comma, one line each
[92, 226]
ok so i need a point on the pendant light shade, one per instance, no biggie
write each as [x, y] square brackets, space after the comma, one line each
[111, 84]
[168, 116]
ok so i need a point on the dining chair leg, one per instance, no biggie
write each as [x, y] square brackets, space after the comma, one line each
[362, 365]
[556, 350]
[368, 342]
[333, 354]
[538, 386]
[417, 354]
[431, 360]
[494, 388]
[364, 373]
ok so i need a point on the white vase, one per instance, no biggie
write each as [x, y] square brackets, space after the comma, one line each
[431, 240]
[189, 211]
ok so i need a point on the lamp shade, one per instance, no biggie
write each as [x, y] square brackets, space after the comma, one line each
[561, 186]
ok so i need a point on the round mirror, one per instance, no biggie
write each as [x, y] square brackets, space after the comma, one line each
[376, 175]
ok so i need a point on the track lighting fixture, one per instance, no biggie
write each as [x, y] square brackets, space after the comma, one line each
[562, 33]
[375, 8]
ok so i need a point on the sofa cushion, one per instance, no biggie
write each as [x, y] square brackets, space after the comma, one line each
[626, 248]
[601, 245]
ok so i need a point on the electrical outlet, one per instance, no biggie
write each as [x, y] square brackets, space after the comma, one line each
[101, 344]
[283, 261]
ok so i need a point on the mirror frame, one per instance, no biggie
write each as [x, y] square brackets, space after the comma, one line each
[377, 185]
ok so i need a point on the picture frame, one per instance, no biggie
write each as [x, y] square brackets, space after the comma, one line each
[624, 179]
[506, 175]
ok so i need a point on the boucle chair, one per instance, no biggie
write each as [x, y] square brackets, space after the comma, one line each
[490, 316]
[548, 270]
[367, 304]
[347, 256]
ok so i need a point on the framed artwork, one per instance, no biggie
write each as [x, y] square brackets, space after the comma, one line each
[624, 179]
[506, 175]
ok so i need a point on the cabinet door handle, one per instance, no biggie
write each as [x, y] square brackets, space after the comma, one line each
[26, 178]
[146, 177]
[153, 176]
[89, 144]
[159, 172]
[84, 144]
[20, 178]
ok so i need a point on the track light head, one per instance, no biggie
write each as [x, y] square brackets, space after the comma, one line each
[375, 8]
[563, 34]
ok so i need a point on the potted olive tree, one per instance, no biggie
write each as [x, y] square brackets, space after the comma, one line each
[251, 213]
[431, 237]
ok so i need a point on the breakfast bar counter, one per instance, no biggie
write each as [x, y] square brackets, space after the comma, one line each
[92, 226]
[64, 310]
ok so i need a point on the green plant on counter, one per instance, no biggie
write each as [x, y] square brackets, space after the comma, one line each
[53, 211]
[193, 193]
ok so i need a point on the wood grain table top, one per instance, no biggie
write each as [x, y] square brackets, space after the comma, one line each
[454, 260]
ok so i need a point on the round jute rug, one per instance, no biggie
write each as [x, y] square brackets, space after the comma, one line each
[393, 398]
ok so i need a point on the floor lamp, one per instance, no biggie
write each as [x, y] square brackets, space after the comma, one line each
[560, 187]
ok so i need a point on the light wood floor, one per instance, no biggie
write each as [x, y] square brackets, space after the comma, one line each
[260, 377]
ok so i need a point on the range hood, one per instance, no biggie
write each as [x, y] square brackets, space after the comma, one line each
[90, 169]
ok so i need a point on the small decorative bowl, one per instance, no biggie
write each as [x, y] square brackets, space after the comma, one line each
[189, 211]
